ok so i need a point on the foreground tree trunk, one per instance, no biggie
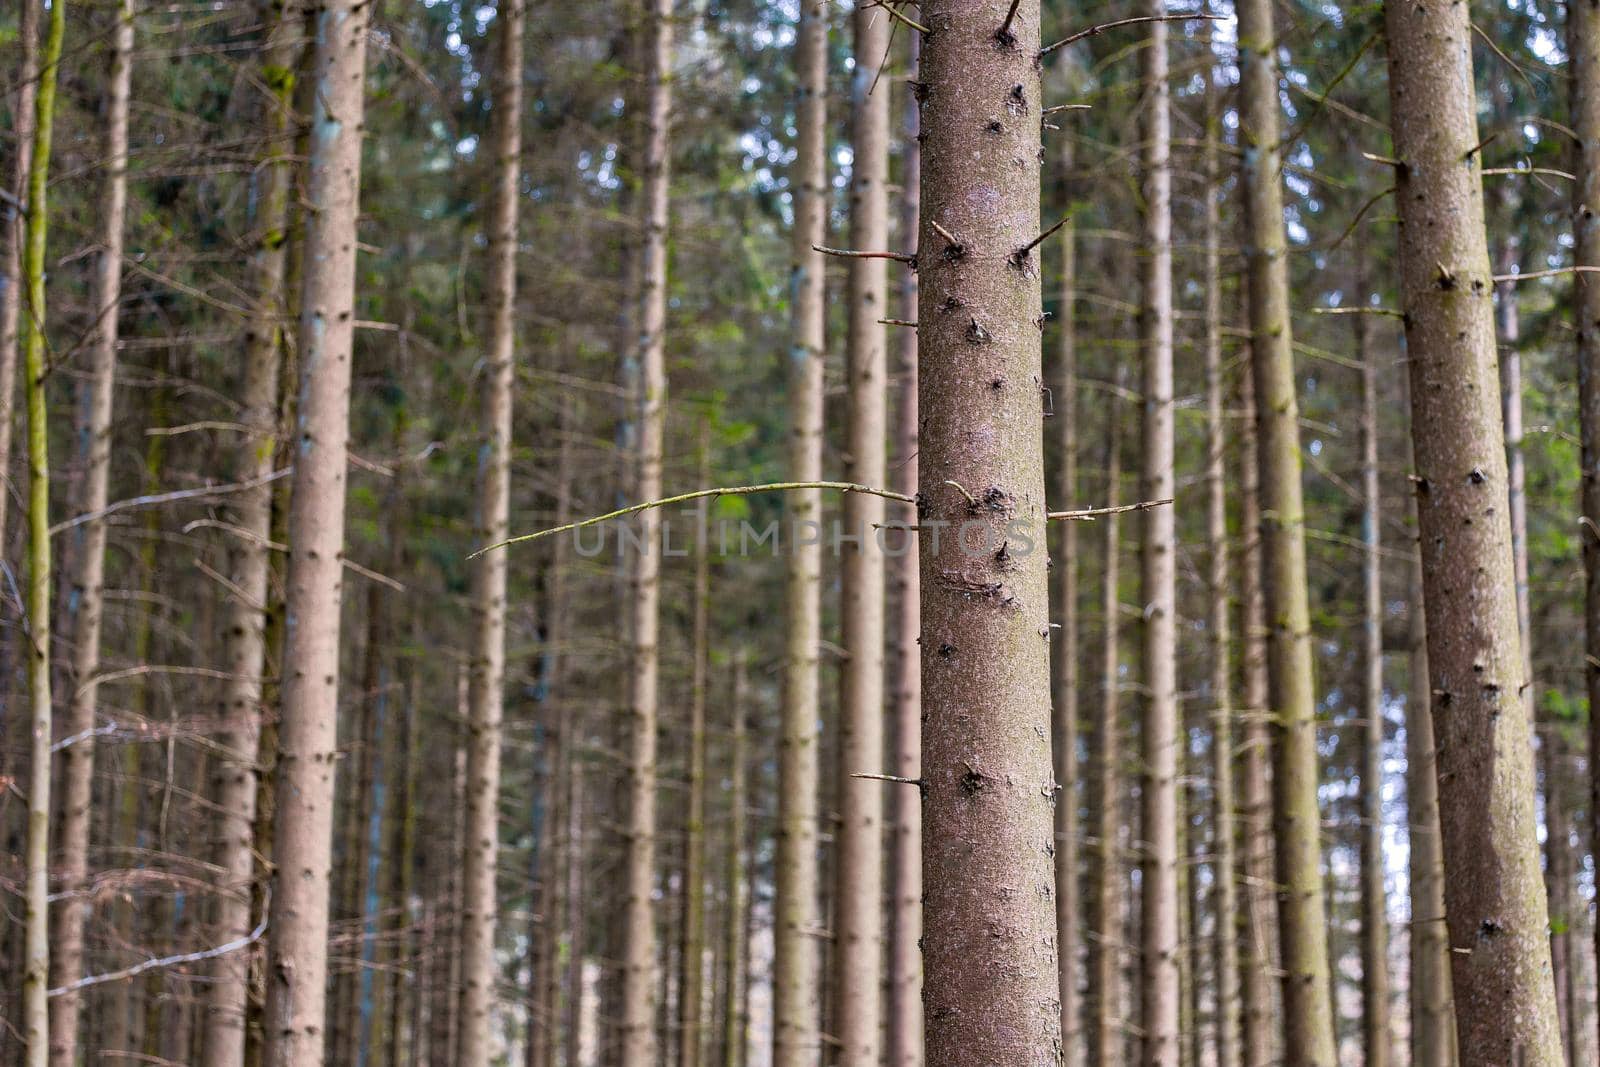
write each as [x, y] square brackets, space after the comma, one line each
[1160, 984]
[1494, 893]
[991, 993]
[639, 944]
[86, 591]
[857, 923]
[481, 836]
[234, 782]
[36, 940]
[13, 232]
[297, 955]
[1302, 916]
[796, 1040]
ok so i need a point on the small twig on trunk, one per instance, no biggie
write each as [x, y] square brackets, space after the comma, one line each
[1577, 268]
[890, 778]
[137, 969]
[1095, 31]
[1004, 34]
[1021, 254]
[1067, 107]
[850, 253]
[1090, 514]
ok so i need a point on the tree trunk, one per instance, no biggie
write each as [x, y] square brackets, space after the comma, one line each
[1302, 917]
[903, 1035]
[1104, 1043]
[796, 1039]
[307, 740]
[1374, 896]
[1494, 899]
[36, 947]
[692, 955]
[737, 951]
[992, 986]
[1159, 981]
[234, 782]
[86, 588]
[639, 952]
[487, 697]
[858, 852]
[1224, 858]
[13, 231]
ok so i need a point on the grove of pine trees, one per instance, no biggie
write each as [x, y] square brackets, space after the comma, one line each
[823, 533]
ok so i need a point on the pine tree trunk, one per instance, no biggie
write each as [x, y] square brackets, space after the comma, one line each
[737, 950]
[1159, 983]
[1374, 896]
[1302, 916]
[234, 783]
[307, 742]
[1224, 858]
[856, 1015]
[1583, 45]
[639, 951]
[796, 1039]
[1494, 899]
[13, 231]
[1106, 925]
[36, 948]
[992, 985]
[903, 1034]
[692, 956]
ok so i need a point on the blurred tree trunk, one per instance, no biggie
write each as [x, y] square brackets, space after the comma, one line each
[692, 954]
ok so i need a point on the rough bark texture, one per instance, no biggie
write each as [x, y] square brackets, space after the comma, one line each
[856, 1016]
[487, 687]
[1583, 35]
[1302, 917]
[234, 781]
[1160, 985]
[903, 1033]
[991, 993]
[1103, 1044]
[1375, 1035]
[13, 232]
[1224, 881]
[1494, 895]
[36, 939]
[307, 741]
[85, 593]
[639, 946]
[794, 976]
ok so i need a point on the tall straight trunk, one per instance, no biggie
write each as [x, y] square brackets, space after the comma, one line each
[736, 951]
[1494, 899]
[1583, 45]
[991, 990]
[36, 939]
[1064, 650]
[691, 972]
[1375, 1024]
[1103, 1029]
[796, 1037]
[234, 783]
[639, 941]
[297, 957]
[903, 1034]
[1302, 917]
[1159, 980]
[13, 232]
[1258, 1017]
[399, 940]
[86, 582]
[1433, 1027]
[1219, 646]
[858, 853]
[486, 700]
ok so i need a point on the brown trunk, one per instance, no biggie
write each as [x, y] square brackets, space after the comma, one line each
[992, 992]
[1494, 895]
[307, 741]
[691, 971]
[13, 233]
[736, 952]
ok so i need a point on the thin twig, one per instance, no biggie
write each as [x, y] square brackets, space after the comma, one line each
[167, 498]
[1095, 31]
[1090, 514]
[1003, 34]
[1574, 269]
[1391, 312]
[137, 969]
[1067, 107]
[888, 6]
[890, 778]
[698, 494]
[850, 253]
[1022, 252]
[949, 237]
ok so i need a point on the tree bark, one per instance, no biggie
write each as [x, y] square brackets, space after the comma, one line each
[234, 783]
[991, 993]
[691, 979]
[856, 1016]
[1160, 984]
[1494, 899]
[36, 939]
[639, 954]
[796, 1038]
[903, 1034]
[307, 742]
[736, 951]
[1302, 916]
[86, 592]
[13, 231]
